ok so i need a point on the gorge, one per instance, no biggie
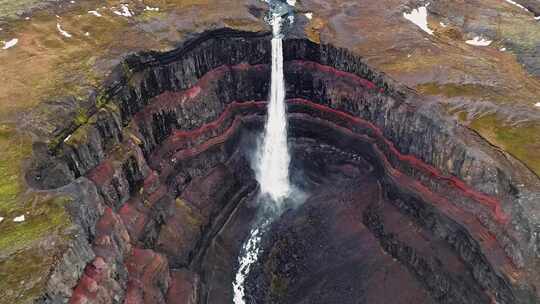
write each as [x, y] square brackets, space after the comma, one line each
[402, 204]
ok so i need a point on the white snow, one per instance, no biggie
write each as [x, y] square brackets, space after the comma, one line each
[152, 9]
[517, 4]
[291, 2]
[502, 49]
[87, 34]
[1, 219]
[309, 15]
[478, 41]
[95, 13]
[10, 43]
[418, 16]
[19, 219]
[124, 11]
[442, 24]
[64, 33]
[537, 104]
[522, 7]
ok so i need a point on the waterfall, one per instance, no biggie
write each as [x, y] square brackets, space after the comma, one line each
[274, 158]
[272, 167]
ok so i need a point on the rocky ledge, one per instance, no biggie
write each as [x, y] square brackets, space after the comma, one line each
[400, 197]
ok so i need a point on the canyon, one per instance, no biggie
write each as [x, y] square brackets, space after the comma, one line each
[399, 196]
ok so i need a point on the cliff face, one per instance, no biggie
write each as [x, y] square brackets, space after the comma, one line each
[161, 174]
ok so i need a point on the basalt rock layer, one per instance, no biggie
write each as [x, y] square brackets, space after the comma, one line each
[166, 155]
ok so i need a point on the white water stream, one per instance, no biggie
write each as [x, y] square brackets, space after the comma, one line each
[248, 256]
[273, 160]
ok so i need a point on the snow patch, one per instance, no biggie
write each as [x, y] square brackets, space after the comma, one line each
[1, 219]
[442, 24]
[478, 41]
[19, 219]
[64, 33]
[418, 16]
[10, 43]
[152, 9]
[87, 34]
[517, 4]
[503, 49]
[95, 13]
[537, 104]
[291, 2]
[309, 15]
[522, 7]
[124, 11]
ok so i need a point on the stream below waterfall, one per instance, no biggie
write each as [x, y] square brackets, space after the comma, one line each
[272, 160]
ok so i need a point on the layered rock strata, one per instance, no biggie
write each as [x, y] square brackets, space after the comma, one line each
[165, 151]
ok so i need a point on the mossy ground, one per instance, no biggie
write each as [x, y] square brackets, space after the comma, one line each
[10, 8]
[513, 31]
[451, 90]
[13, 150]
[30, 249]
[45, 65]
[194, 219]
[279, 284]
[520, 140]
[41, 219]
[523, 142]
[22, 275]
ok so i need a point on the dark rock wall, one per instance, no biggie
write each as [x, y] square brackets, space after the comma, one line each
[429, 211]
[86, 208]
